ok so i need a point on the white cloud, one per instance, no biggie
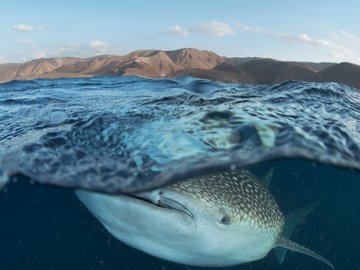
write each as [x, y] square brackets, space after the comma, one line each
[177, 30]
[36, 51]
[345, 38]
[23, 28]
[26, 42]
[40, 54]
[99, 46]
[3, 60]
[215, 28]
[68, 48]
[305, 38]
[337, 46]
[245, 27]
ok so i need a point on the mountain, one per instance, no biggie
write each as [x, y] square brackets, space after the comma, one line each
[346, 73]
[8, 71]
[148, 63]
[269, 71]
[258, 71]
[318, 66]
[224, 72]
[193, 62]
[241, 60]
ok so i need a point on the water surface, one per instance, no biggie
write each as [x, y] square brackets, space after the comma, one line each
[126, 134]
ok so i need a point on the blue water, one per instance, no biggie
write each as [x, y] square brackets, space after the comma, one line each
[126, 134]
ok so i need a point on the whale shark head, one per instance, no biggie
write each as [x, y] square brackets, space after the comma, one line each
[220, 219]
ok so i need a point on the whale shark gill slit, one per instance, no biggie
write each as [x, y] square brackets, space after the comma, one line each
[163, 202]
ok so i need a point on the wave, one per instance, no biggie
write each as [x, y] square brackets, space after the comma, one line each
[126, 134]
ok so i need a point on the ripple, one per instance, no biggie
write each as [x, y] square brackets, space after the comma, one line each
[125, 134]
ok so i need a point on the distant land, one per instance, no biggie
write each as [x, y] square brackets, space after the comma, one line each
[193, 62]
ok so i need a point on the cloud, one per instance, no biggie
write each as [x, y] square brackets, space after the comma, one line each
[29, 55]
[177, 30]
[344, 46]
[215, 28]
[306, 39]
[338, 45]
[69, 48]
[245, 27]
[99, 46]
[34, 50]
[26, 42]
[23, 28]
[40, 54]
[3, 60]
[301, 38]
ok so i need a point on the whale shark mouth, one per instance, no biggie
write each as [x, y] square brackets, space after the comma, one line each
[162, 202]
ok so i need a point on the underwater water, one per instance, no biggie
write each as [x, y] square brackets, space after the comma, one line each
[127, 134]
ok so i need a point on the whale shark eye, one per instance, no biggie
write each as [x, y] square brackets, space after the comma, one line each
[225, 220]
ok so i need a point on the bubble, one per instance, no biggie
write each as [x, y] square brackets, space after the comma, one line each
[57, 117]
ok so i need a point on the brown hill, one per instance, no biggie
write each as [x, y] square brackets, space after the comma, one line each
[165, 63]
[224, 72]
[197, 63]
[150, 63]
[269, 71]
[241, 60]
[8, 71]
[314, 66]
[191, 58]
[37, 68]
[346, 73]
[318, 66]
[259, 71]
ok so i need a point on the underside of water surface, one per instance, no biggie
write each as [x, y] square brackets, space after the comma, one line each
[127, 134]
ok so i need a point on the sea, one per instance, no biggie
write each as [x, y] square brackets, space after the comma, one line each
[130, 134]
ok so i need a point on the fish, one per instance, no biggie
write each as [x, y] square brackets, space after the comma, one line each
[214, 220]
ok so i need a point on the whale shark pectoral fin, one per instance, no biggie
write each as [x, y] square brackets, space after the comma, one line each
[285, 243]
[265, 179]
[291, 221]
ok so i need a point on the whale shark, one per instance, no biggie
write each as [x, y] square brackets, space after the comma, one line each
[214, 220]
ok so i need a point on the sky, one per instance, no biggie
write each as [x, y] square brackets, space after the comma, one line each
[307, 30]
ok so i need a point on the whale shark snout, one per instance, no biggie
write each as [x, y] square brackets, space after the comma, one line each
[215, 220]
